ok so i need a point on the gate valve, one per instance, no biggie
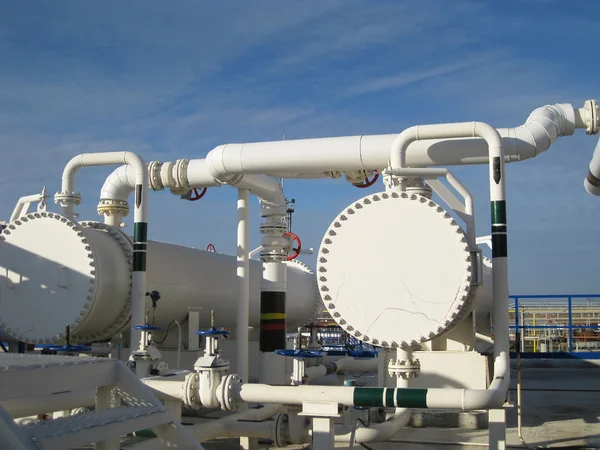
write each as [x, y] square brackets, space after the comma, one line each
[212, 337]
[367, 183]
[300, 357]
[198, 195]
[297, 249]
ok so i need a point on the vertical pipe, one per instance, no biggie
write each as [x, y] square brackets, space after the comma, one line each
[272, 323]
[497, 176]
[272, 307]
[243, 280]
[140, 238]
[517, 323]
[570, 304]
[522, 334]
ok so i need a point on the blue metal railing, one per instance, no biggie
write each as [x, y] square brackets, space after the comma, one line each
[569, 326]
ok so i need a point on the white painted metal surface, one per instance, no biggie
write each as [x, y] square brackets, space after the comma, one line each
[57, 273]
[131, 406]
[412, 280]
[51, 274]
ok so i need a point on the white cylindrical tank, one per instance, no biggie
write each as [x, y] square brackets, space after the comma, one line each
[395, 270]
[56, 273]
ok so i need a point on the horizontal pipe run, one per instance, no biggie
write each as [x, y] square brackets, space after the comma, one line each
[341, 365]
[350, 153]
[461, 399]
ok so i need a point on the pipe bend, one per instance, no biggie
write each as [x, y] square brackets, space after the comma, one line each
[119, 184]
[379, 432]
[592, 180]
[487, 133]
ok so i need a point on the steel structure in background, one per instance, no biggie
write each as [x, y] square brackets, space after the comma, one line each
[555, 328]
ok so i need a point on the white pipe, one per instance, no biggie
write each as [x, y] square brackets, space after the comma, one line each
[435, 398]
[496, 393]
[378, 432]
[68, 198]
[440, 131]
[23, 205]
[341, 365]
[592, 181]
[171, 385]
[243, 279]
[317, 156]
[469, 209]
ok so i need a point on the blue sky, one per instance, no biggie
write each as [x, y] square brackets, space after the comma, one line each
[172, 80]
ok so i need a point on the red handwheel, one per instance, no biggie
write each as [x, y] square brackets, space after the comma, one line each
[211, 248]
[198, 195]
[367, 183]
[297, 249]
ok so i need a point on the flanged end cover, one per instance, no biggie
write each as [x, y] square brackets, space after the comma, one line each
[47, 275]
[50, 275]
[394, 270]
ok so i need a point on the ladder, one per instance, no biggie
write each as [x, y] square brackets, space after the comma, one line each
[32, 384]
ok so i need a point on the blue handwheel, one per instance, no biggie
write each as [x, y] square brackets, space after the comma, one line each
[300, 354]
[212, 332]
[146, 327]
[70, 348]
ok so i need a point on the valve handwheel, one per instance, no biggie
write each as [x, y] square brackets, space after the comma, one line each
[297, 249]
[197, 195]
[368, 183]
[211, 248]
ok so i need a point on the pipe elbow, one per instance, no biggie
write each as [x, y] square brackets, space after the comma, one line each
[134, 160]
[592, 180]
[488, 133]
[484, 399]
[119, 184]
[380, 432]
[400, 145]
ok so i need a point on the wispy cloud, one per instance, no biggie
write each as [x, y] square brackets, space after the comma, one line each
[411, 77]
[174, 80]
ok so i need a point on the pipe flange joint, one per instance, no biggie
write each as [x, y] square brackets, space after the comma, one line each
[180, 177]
[404, 369]
[281, 436]
[154, 168]
[594, 116]
[226, 392]
[126, 245]
[190, 391]
[64, 198]
[108, 207]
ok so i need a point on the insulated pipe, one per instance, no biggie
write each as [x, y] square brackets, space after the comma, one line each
[435, 398]
[273, 208]
[592, 181]
[341, 365]
[469, 214]
[378, 432]
[243, 279]
[23, 205]
[68, 198]
[318, 156]
[496, 393]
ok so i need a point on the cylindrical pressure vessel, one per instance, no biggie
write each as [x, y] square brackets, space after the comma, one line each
[56, 273]
[395, 270]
